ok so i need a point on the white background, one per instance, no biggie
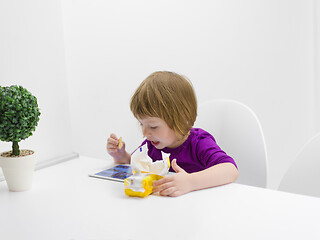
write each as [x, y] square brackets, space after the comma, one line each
[84, 59]
[32, 55]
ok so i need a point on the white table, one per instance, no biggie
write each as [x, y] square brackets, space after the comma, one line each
[65, 203]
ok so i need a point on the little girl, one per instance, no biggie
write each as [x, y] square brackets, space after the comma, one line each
[166, 107]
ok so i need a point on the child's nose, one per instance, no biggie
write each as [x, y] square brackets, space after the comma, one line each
[145, 132]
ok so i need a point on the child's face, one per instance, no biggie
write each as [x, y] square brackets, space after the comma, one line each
[157, 131]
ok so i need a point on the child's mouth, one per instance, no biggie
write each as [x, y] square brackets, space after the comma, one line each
[155, 143]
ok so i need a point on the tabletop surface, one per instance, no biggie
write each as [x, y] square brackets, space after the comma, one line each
[65, 203]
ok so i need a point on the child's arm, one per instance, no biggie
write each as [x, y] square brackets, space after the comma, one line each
[183, 182]
[120, 155]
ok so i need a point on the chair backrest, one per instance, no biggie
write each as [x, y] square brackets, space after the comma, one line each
[303, 176]
[238, 132]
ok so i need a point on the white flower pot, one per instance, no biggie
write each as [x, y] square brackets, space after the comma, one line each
[18, 171]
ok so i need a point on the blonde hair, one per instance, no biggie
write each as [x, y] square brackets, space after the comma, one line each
[168, 96]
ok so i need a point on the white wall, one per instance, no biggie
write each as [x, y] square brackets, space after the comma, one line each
[262, 53]
[316, 14]
[258, 52]
[32, 55]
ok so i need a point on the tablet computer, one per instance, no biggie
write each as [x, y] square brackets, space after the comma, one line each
[115, 173]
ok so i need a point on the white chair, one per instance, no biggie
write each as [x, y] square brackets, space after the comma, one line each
[303, 176]
[238, 132]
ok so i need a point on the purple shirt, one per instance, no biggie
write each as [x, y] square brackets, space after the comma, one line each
[200, 151]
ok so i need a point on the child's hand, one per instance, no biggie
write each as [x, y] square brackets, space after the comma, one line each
[174, 185]
[113, 148]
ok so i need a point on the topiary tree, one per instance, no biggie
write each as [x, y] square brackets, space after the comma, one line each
[19, 115]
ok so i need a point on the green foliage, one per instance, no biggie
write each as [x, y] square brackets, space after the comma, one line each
[19, 113]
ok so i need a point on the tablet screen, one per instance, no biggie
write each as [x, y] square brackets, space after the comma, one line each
[116, 173]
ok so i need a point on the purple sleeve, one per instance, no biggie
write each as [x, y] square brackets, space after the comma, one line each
[211, 154]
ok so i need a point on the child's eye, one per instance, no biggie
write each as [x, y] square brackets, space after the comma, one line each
[154, 127]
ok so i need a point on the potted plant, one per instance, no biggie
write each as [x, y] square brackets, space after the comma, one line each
[19, 116]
